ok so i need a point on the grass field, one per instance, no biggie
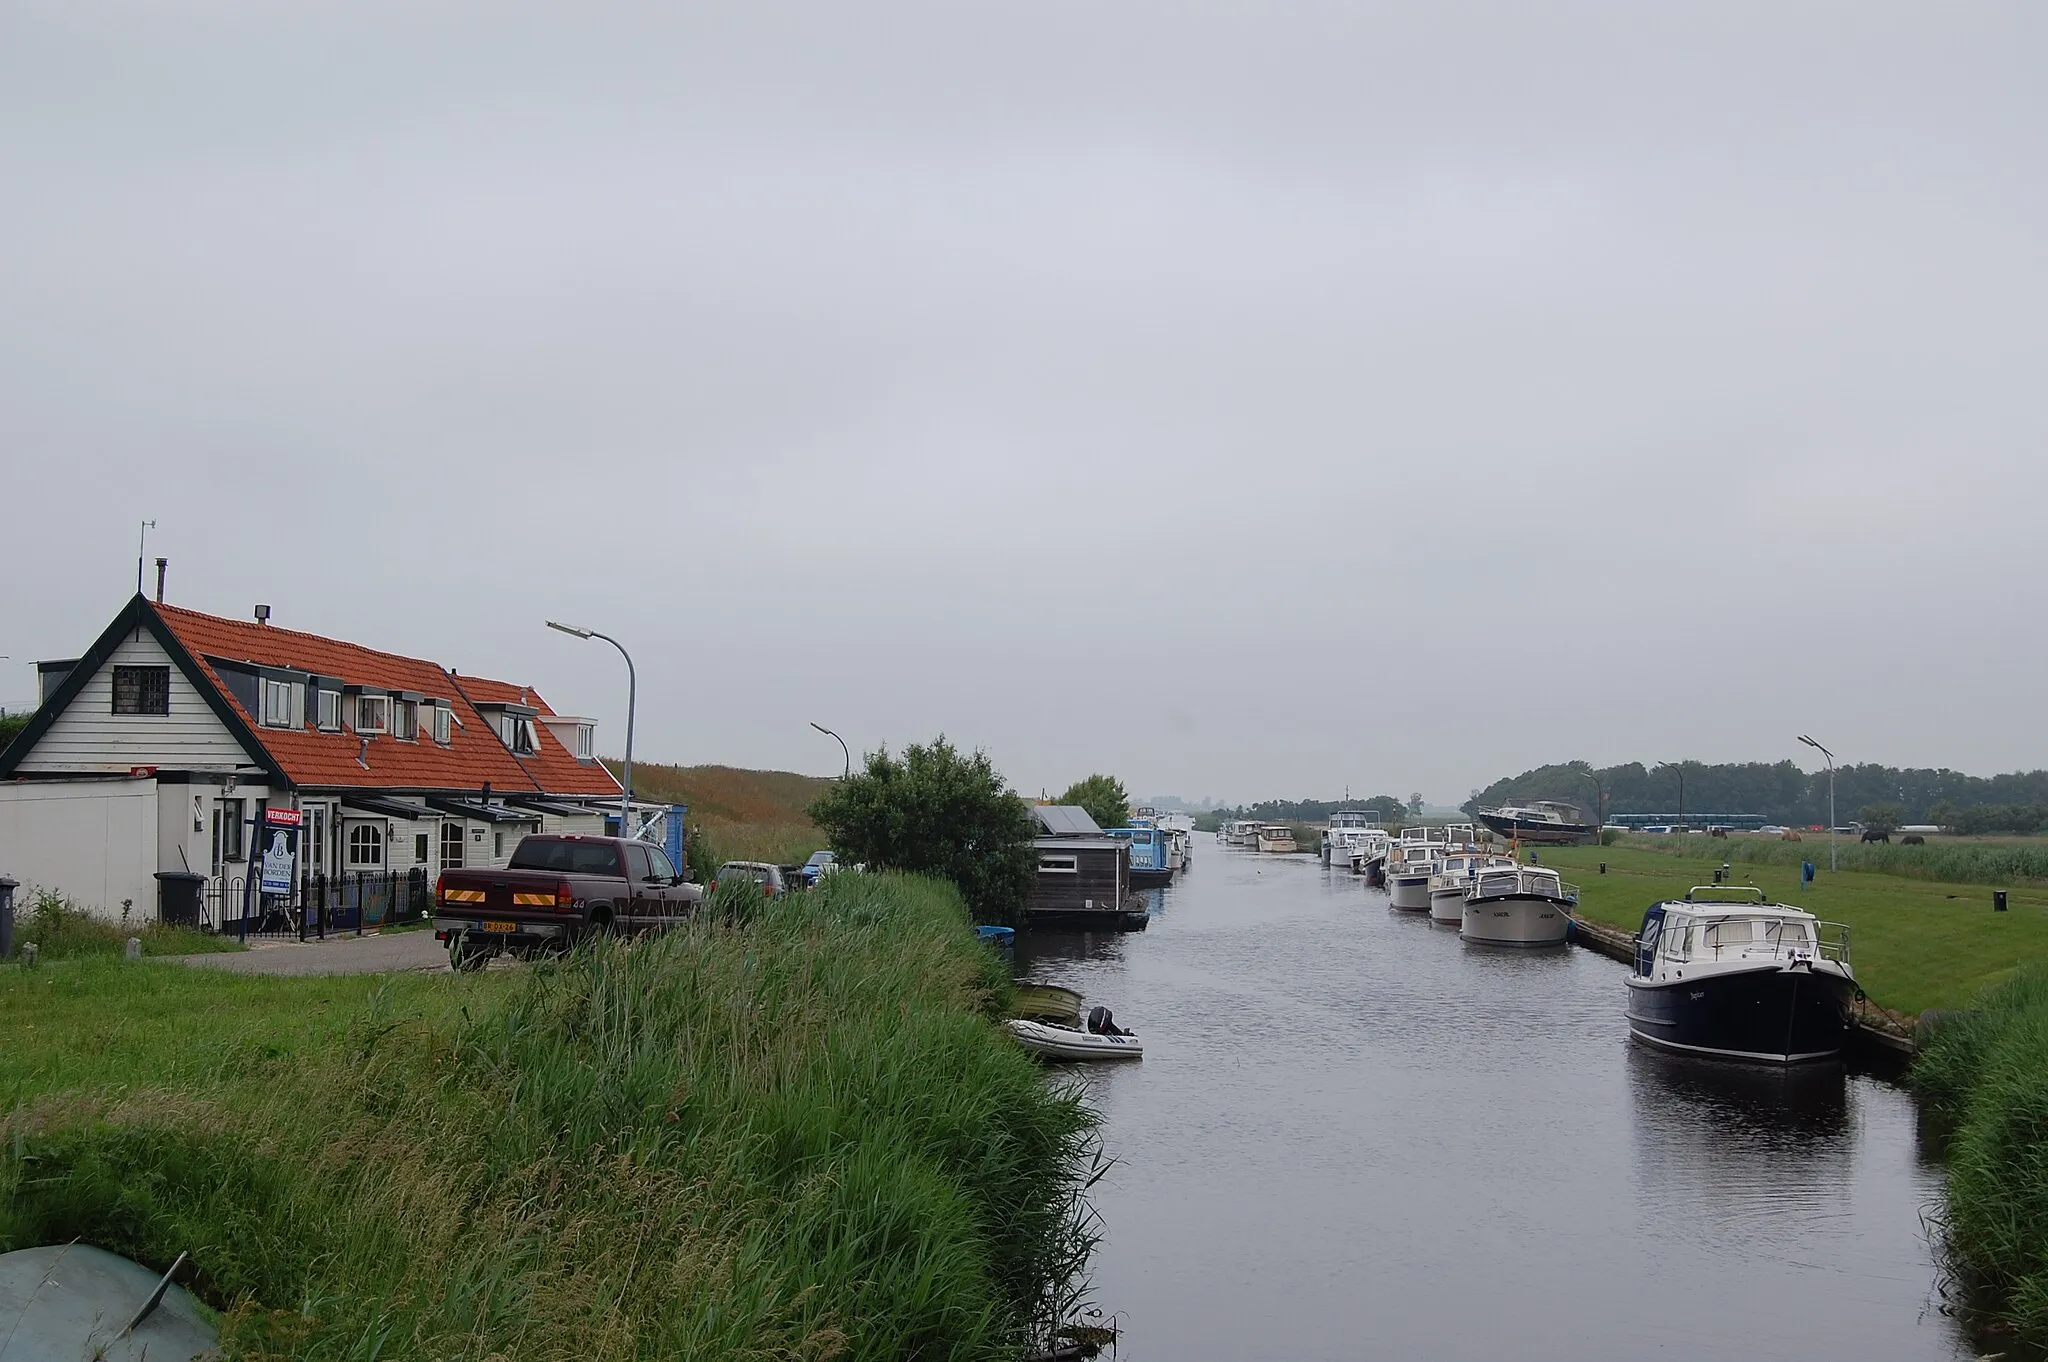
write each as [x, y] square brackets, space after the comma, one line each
[743, 815]
[794, 1136]
[61, 932]
[1915, 943]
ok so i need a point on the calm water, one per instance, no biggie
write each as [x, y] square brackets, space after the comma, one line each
[1353, 1135]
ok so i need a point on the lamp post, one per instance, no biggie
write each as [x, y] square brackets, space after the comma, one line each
[632, 697]
[845, 756]
[1828, 757]
[1599, 802]
[1679, 768]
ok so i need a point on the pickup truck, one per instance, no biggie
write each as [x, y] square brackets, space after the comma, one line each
[555, 891]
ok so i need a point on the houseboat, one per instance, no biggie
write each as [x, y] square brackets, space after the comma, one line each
[1518, 905]
[1083, 878]
[1544, 821]
[1747, 979]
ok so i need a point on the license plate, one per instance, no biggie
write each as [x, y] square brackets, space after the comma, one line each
[507, 928]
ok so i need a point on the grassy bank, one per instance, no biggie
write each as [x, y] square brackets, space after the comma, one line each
[62, 932]
[743, 815]
[1999, 861]
[799, 1137]
[1985, 1078]
[1916, 943]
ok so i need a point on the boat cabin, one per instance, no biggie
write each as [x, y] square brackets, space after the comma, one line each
[1522, 881]
[1083, 877]
[1693, 932]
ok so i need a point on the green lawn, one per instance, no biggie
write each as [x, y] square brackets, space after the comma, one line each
[1916, 943]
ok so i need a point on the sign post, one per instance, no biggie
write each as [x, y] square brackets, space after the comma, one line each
[280, 854]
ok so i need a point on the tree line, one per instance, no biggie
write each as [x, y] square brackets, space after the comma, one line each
[1389, 808]
[1782, 793]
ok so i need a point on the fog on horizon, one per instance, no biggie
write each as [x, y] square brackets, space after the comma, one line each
[1247, 401]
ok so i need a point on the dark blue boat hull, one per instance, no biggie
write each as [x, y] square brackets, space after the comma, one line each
[1778, 1016]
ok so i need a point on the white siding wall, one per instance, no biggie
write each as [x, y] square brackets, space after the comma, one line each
[94, 841]
[89, 736]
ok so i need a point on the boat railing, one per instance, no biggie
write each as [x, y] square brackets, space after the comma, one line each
[1719, 893]
[1833, 940]
[1570, 891]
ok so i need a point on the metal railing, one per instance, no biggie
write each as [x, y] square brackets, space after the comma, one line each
[349, 902]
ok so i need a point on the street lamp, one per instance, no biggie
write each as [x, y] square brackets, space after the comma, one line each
[1679, 767]
[632, 696]
[1829, 757]
[845, 756]
[1599, 801]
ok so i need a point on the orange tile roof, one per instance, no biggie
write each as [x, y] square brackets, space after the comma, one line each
[473, 757]
[554, 767]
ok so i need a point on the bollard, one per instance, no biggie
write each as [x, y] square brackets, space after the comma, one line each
[1603, 867]
[1998, 900]
[7, 888]
[134, 948]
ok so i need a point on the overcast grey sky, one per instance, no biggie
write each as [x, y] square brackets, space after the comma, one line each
[1243, 399]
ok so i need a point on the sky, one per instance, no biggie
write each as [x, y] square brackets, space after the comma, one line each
[1246, 400]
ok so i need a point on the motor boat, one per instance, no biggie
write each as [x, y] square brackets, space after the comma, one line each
[1719, 973]
[1544, 821]
[1518, 905]
[1275, 837]
[1410, 862]
[1072, 1042]
[1453, 880]
[1343, 823]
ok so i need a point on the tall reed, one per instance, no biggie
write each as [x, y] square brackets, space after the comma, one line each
[792, 1130]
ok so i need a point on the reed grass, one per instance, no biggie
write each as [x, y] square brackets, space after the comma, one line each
[1984, 1077]
[792, 1130]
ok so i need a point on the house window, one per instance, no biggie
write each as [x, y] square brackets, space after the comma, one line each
[373, 713]
[517, 731]
[498, 845]
[142, 690]
[1059, 865]
[227, 833]
[405, 723]
[279, 702]
[365, 846]
[329, 713]
[582, 740]
[419, 848]
[443, 717]
[451, 846]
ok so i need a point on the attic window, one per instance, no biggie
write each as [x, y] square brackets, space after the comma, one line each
[405, 724]
[330, 711]
[142, 690]
[281, 703]
[443, 717]
[518, 733]
[580, 744]
[373, 713]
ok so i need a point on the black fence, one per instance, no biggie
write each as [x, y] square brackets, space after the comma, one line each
[352, 902]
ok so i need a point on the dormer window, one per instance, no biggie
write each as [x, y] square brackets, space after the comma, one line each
[443, 724]
[282, 699]
[580, 742]
[405, 721]
[327, 711]
[518, 733]
[373, 714]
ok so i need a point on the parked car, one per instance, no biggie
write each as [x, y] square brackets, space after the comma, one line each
[821, 864]
[768, 876]
[557, 890]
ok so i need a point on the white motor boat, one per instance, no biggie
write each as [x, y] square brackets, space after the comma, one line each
[1518, 905]
[1343, 823]
[1548, 821]
[1069, 1042]
[1275, 837]
[1453, 880]
[1410, 863]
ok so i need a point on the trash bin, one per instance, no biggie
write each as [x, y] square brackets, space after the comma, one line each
[177, 897]
[7, 888]
[1998, 900]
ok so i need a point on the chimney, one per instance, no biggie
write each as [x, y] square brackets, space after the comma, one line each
[263, 614]
[162, 566]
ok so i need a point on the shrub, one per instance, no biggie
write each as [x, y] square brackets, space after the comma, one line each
[61, 931]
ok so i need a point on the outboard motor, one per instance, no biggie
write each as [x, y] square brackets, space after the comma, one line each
[1101, 1023]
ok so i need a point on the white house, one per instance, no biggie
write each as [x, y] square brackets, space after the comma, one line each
[165, 745]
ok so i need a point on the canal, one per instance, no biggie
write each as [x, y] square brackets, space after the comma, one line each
[1352, 1135]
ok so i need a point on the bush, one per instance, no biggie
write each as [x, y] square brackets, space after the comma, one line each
[1609, 836]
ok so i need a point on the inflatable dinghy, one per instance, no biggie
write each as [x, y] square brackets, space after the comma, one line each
[1068, 1042]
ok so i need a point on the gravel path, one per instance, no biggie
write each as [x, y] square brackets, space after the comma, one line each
[383, 953]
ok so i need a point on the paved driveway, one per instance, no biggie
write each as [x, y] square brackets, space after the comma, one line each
[382, 953]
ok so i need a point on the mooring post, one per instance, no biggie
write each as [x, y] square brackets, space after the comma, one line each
[7, 888]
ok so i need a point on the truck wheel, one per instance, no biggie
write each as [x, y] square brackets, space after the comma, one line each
[464, 958]
[600, 927]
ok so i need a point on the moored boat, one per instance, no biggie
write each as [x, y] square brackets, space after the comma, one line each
[1518, 905]
[1453, 880]
[1150, 867]
[1069, 1042]
[1275, 837]
[1048, 1002]
[1749, 979]
[1410, 862]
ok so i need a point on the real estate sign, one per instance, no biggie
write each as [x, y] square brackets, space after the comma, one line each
[280, 849]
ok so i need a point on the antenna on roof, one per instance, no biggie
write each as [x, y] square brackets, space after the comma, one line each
[141, 538]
